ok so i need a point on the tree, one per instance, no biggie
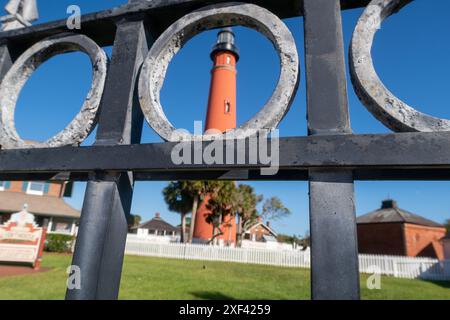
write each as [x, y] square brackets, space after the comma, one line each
[229, 199]
[178, 200]
[274, 209]
[133, 220]
[297, 240]
[306, 240]
[137, 219]
[246, 202]
[198, 191]
[223, 202]
[447, 226]
[226, 199]
[284, 238]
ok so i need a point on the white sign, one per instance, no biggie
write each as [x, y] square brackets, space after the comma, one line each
[21, 240]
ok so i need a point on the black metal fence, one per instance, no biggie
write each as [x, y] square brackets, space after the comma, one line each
[330, 158]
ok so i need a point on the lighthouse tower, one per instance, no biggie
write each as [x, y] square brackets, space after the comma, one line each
[221, 116]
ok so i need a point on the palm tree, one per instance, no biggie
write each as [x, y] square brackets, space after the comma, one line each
[178, 200]
[198, 191]
[222, 203]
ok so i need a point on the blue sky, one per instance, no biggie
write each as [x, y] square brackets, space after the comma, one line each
[411, 54]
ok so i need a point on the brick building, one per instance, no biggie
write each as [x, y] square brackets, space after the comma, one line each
[394, 231]
[260, 232]
[45, 200]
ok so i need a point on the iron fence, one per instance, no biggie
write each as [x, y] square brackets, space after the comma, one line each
[331, 158]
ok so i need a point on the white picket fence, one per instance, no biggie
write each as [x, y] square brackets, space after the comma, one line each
[401, 267]
[285, 258]
[405, 267]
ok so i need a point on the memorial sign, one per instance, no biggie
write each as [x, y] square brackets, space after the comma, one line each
[21, 240]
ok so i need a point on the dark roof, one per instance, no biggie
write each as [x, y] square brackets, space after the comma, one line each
[37, 205]
[157, 224]
[391, 213]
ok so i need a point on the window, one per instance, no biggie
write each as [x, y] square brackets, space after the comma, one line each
[228, 59]
[61, 225]
[36, 188]
[2, 185]
[142, 232]
[227, 106]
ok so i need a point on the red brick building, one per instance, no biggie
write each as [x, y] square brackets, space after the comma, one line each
[394, 231]
[260, 232]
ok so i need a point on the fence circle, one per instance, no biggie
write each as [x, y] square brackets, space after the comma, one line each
[14, 80]
[175, 37]
[384, 105]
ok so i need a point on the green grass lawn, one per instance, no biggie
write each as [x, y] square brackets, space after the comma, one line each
[156, 278]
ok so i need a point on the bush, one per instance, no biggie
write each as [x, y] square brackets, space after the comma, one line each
[60, 243]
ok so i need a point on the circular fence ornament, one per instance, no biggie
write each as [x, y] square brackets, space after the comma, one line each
[176, 36]
[84, 122]
[384, 105]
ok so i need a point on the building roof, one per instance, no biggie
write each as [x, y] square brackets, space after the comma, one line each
[260, 223]
[37, 205]
[158, 224]
[391, 213]
[269, 238]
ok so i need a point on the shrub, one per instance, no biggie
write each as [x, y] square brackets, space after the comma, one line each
[60, 243]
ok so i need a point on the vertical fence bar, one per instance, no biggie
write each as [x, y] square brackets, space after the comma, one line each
[334, 265]
[102, 234]
[334, 256]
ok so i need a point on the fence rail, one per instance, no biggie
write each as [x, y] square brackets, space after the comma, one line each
[400, 267]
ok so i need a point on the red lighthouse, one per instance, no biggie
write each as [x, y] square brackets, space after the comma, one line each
[221, 116]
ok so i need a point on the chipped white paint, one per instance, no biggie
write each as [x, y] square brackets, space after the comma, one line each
[175, 37]
[383, 104]
[84, 122]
